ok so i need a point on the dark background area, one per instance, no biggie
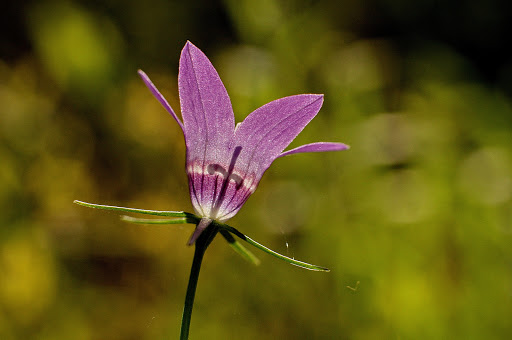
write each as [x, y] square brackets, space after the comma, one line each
[478, 30]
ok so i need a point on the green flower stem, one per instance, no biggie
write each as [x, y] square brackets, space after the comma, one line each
[202, 242]
[271, 252]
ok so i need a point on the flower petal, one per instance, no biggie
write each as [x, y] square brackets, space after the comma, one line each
[260, 139]
[160, 98]
[209, 125]
[267, 131]
[205, 106]
[316, 147]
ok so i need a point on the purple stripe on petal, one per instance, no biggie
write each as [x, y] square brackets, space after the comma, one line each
[159, 97]
[236, 196]
[316, 147]
[195, 176]
[224, 189]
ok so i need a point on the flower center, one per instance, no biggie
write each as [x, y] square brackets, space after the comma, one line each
[217, 168]
[227, 176]
[218, 191]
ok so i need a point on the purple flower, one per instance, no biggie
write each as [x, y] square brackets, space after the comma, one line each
[224, 161]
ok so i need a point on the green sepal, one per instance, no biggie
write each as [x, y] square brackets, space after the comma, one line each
[239, 248]
[270, 251]
[135, 220]
[224, 229]
[191, 217]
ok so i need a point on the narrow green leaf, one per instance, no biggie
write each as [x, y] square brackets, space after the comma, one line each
[189, 216]
[239, 248]
[271, 252]
[154, 220]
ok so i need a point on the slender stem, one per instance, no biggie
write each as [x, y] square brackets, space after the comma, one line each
[202, 242]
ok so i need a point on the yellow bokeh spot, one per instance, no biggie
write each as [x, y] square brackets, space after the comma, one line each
[28, 277]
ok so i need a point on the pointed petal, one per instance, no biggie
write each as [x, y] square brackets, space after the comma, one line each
[265, 133]
[159, 97]
[205, 105]
[260, 139]
[209, 125]
[316, 147]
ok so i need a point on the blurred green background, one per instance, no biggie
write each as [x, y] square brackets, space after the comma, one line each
[415, 220]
